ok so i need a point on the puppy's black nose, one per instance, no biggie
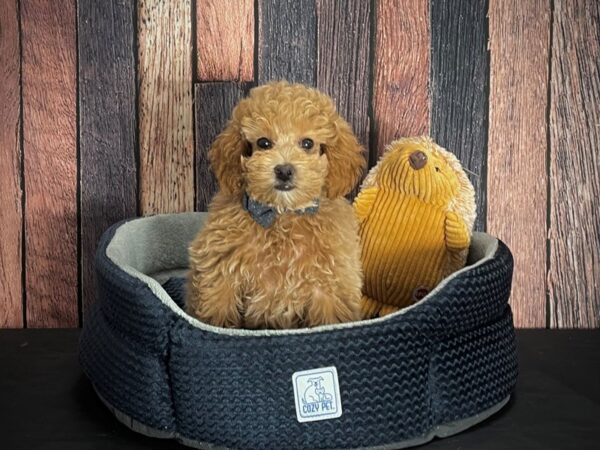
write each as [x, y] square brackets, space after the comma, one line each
[417, 159]
[284, 172]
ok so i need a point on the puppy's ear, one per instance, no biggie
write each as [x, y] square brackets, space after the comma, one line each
[345, 159]
[225, 157]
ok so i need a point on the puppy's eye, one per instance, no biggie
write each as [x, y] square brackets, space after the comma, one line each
[437, 169]
[307, 143]
[264, 143]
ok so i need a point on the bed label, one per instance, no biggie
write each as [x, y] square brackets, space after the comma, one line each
[317, 394]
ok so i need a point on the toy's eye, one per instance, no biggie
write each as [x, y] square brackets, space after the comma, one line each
[437, 169]
[264, 143]
[307, 144]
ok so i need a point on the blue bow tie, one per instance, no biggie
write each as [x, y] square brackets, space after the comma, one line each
[265, 215]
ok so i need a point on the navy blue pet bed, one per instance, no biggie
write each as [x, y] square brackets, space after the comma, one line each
[433, 369]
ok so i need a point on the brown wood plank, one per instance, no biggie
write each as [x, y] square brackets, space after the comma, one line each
[165, 106]
[400, 88]
[343, 45]
[11, 218]
[287, 41]
[574, 276]
[214, 103]
[225, 40]
[50, 161]
[107, 124]
[517, 181]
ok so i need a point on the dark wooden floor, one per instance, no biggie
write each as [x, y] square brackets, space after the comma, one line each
[48, 404]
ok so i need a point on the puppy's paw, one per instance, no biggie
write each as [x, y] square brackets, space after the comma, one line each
[217, 316]
[216, 305]
[327, 309]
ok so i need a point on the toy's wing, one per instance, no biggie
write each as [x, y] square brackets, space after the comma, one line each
[364, 202]
[458, 236]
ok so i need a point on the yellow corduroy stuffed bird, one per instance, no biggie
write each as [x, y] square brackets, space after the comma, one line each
[416, 210]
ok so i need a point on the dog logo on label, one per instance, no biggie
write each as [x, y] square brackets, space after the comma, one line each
[317, 394]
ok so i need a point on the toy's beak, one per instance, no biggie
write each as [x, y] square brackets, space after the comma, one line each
[417, 160]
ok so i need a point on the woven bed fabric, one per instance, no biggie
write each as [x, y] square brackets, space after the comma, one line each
[124, 343]
[449, 358]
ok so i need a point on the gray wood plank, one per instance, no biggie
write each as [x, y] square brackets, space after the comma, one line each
[459, 87]
[213, 105]
[344, 36]
[287, 41]
[107, 124]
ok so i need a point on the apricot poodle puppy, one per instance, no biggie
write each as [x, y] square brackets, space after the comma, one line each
[280, 247]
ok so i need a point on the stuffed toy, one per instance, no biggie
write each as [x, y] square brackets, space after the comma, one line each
[416, 210]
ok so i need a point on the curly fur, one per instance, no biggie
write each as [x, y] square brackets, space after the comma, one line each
[304, 270]
[453, 189]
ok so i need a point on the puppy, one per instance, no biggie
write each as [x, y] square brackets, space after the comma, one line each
[280, 248]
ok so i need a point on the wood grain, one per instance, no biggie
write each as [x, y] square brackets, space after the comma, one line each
[401, 98]
[107, 124]
[213, 103]
[574, 276]
[343, 59]
[517, 180]
[459, 87]
[165, 106]
[287, 41]
[11, 218]
[225, 40]
[50, 161]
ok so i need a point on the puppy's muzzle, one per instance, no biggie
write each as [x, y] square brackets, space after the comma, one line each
[284, 172]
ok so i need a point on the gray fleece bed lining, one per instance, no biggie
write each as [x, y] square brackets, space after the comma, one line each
[154, 249]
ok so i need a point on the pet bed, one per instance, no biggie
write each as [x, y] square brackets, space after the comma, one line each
[432, 369]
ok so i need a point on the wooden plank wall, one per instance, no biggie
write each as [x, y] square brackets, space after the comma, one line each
[11, 211]
[225, 40]
[165, 106]
[343, 63]
[49, 67]
[287, 48]
[107, 125]
[517, 178]
[401, 79]
[459, 86]
[574, 277]
[109, 109]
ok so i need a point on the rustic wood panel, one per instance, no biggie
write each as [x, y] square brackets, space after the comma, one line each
[401, 98]
[165, 106]
[517, 180]
[213, 103]
[50, 159]
[11, 310]
[287, 41]
[344, 36]
[107, 124]
[574, 277]
[225, 39]
[459, 87]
